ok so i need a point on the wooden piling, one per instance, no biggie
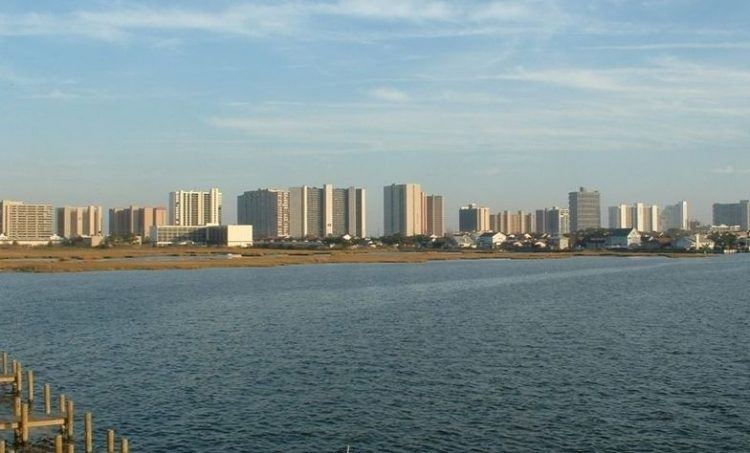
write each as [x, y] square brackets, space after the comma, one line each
[88, 438]
[58, 444]
[110, 441]
[18, 385]
[30, 385]
[124, 447]
[2, 446]
[71, 448]
[17, 406]
[69, 431]
[24, 424]
[47, 400]
[15, 366]
[5, 363]
[61, 404]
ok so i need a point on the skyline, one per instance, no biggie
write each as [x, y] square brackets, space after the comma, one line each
[509, 105]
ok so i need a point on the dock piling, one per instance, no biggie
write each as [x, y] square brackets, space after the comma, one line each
[110, 441]
[58, 444]
[69, 420]
[47, 400]
[124, 447]
[30, 386]
[88, 433]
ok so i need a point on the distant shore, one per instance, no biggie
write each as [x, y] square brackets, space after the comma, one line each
[70, 259]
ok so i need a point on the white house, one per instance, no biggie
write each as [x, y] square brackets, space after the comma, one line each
[694, 242]
[490, 240]
[623, 238]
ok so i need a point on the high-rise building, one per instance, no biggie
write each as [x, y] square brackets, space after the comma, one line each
[402, 209]
[195, 208]
[585, 210]
[316, 212]
[433, 215]
[26, 222]
[267, 210]
[474, 219]
[732, 214]
[75, 222]
[518, 222]
[136, 221]
[553, 221]
[675, 216]
[642, 217]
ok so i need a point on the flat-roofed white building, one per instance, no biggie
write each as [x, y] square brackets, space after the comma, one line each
[219, 235]
[195, 208]
[23, 223]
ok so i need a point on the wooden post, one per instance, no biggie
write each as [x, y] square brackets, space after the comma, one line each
[110, 441]
[2, 446]
[58, 444]
[30, 385]
[17, 406]
[124, 447]
[69, 431]
[71, 448]
[61, 404]
[5, 363]
[24, 424]
[47, 400]
[18, 386]
[15, 366]
[87, 433]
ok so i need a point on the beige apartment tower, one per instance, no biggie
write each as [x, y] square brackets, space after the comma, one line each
[195, 208]
[136, 221]
[73, 222]
[433, 215]
[26, 222]
[322, 212]
[402, 210]
[267, 210]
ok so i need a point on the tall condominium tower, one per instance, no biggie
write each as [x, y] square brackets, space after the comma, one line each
[26, 222]
[474, 219]
[508, 222]
[402, 210]
[640, 216]
[585, 210]
[79, 221]
[316, 212]
[434, 220]
[732, 214]
[195, 208]
[675, 216]
[553, 221]
[136, 221]
[267, 210]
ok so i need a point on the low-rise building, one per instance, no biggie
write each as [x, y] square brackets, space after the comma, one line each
[623, 238]
[693, 242]
[490, 240]
[219, 235]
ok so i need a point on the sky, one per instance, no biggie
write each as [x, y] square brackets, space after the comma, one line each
[509, 104]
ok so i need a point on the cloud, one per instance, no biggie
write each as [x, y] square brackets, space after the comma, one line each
[426, 18]
[389, 94]
[730, 170]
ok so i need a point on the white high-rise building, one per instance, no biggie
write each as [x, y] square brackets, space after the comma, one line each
[675, 216]
[642, 217]
[195, 208]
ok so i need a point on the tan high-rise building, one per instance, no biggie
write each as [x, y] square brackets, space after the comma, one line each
[518, 222]
[402, 210]
[316, 212]
[136, 221]
[267, 210]
[474, 219]
[195, 208]
[73, 222]
[434, 218]
[26, 222]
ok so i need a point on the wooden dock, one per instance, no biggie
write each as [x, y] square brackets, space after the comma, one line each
[24, 417]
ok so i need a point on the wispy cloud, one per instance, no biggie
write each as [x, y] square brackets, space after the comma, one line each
[730, 170]
[424, 18]
[389, 94]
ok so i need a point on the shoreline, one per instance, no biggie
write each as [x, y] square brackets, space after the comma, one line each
[69, 260]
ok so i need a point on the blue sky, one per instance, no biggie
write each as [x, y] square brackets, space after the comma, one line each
[510, 104]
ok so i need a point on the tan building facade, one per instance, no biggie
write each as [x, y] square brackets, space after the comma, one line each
[74, 222]
[402, 209]
[32, 223]
[195, 208]
[136, 221]
[434, 219]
